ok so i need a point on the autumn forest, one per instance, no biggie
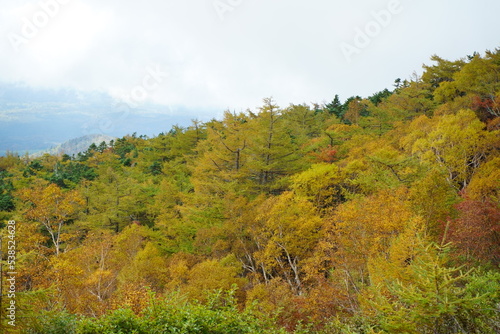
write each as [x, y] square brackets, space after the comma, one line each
[369, 215]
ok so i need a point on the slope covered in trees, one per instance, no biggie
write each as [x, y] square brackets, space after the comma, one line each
[376, 215]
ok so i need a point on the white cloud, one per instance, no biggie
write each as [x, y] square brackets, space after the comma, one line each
[287, 49]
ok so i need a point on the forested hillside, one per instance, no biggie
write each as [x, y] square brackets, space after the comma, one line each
[373, 215]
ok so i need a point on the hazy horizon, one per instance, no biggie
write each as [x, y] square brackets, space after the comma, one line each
[221, 54]
[72, 67]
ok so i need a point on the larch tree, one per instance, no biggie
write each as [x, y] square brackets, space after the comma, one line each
[274, 153]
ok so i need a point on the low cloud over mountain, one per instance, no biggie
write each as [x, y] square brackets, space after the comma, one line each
[33, 120]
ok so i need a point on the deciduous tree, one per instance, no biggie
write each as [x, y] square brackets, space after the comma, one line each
[50, 206]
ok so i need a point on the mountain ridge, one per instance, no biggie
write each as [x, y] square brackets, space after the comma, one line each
[35, 120]
[76, 145]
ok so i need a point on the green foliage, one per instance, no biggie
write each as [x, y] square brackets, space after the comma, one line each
[122, 321]
[6, 188]
[313, 219]
[379, 97]
[53, 322]
[436, 298]
[123, 147]
[32, 169]
[335, 107]
[175, 315]
[69, 174]
[443, 71]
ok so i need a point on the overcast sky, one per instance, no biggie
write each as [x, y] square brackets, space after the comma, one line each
[215, 55]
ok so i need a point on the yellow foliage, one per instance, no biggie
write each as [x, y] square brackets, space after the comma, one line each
[289, 232]
[270, 297]
[86, 276]
[456, 144]
[366, 228]
[148, 267]
[178, 269]
[486, 182]
[52, 207]
[135, 296]
[212, 275]
[400, 254]
[432, 198]
[322, 184]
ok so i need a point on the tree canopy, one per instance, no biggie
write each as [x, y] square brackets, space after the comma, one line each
[369, 215]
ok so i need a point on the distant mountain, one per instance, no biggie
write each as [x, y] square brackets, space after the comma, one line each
[76, 145]
[33, 120]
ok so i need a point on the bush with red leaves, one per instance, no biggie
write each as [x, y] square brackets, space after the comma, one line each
[476, 232]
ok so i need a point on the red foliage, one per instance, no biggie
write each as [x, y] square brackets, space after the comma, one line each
[486, 108]
[326, 154]
[479, 103]
[316, 307]
[476, 231]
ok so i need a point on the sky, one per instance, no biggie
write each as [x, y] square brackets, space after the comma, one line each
[213, 55]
